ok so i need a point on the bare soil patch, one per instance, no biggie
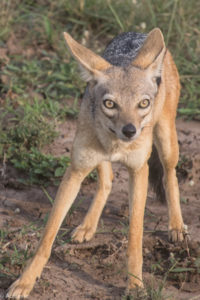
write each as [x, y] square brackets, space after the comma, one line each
[97, 269]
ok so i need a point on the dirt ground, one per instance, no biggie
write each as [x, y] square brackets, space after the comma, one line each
[97, 269]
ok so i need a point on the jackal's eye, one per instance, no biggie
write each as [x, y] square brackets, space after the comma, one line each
[144, 103]
[109, 104]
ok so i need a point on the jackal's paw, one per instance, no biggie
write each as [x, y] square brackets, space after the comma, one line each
[83, 233]
[19, 289]
[179, 235]
[138, 293]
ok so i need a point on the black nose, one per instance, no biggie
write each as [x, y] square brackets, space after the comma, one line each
[129, 130]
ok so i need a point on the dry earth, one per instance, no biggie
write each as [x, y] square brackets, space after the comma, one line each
[97, 269]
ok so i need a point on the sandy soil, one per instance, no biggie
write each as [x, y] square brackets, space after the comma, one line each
[97, 269]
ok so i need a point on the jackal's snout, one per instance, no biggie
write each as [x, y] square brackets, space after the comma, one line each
[129, 130]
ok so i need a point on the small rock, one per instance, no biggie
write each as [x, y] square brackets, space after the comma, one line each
[191, 182]
[17, 210]
[146, 251]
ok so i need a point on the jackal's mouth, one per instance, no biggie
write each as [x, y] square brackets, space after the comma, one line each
[112, 130]
[128, 140]
[123, 138]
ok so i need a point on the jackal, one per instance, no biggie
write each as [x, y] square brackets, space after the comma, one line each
[129, 106]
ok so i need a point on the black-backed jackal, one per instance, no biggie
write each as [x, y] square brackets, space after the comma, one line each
[129, 105]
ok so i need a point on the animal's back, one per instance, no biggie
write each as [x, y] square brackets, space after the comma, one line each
[123, 49]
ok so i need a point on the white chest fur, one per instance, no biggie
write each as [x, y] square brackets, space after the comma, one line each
[132, 156]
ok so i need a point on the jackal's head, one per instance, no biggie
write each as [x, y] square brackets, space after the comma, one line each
[123, 98]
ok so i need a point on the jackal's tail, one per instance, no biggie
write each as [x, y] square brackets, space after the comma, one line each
[156, 175]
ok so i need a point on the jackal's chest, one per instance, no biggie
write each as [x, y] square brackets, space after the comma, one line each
[133, 157]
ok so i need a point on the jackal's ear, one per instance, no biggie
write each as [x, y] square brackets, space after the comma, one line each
[91, 64]
[152, 53]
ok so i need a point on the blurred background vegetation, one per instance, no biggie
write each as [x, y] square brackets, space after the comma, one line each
[38, 77]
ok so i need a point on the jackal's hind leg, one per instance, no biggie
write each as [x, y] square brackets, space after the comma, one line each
[86, 230]
[167, 146]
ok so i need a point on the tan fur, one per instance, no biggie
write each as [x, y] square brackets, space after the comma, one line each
[147, 53]
[99, 141]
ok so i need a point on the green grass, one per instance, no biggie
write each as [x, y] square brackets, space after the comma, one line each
[15, 249]
[38, 77]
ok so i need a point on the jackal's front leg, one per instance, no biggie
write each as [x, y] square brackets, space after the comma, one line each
[67, 192]
[86, 230]
[138, 183]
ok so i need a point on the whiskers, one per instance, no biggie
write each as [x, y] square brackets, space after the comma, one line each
[147, 126]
